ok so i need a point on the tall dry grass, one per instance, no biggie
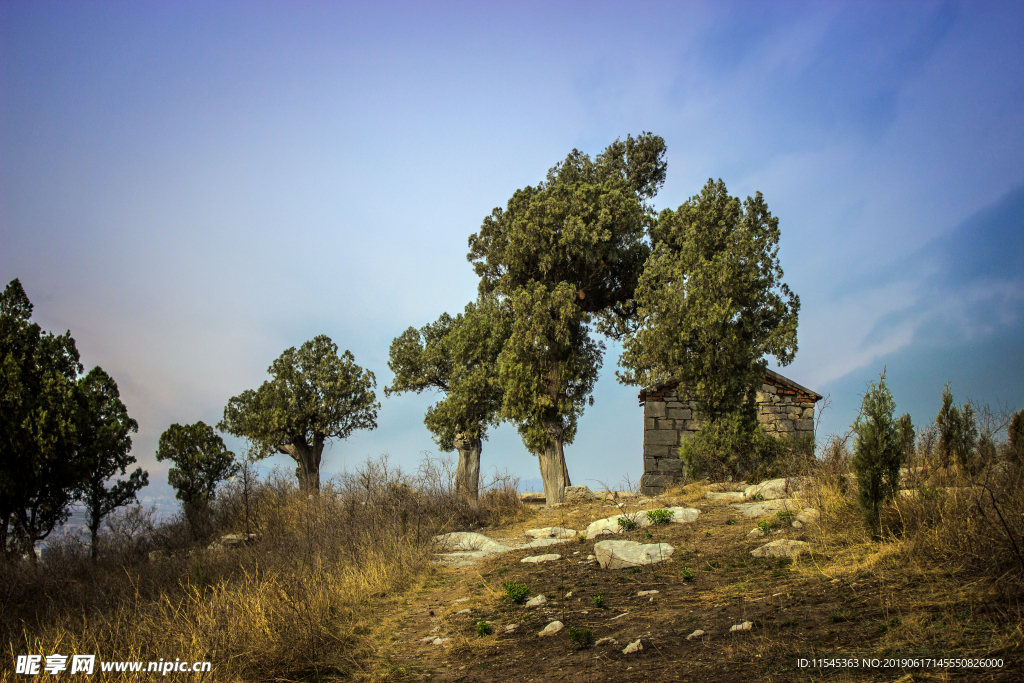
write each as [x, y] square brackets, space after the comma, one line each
[300, 603]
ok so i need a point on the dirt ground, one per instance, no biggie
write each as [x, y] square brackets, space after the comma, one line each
[802, 610]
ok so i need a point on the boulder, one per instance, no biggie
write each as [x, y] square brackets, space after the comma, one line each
[696, 634]
[538, 559]
[755, 533]
[610, 525]
[782, 548]
[681, 515]
[536, 601]
[238, 540]
[621, 554]
[578, 494]
[551, 629]
[740, 628]
[775, 489]
[807, 516]
[551, 532]
[533, 497]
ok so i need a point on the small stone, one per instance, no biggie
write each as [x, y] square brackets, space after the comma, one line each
[568, 595]
[458, 600]
[745, 626]
[538, 559]
[808, 516]
[551, 629]
[440, 641]
[607, 640]
[642, 594]
[463, 611]
[755, 533]
[782, 548]
[428, 639]
[511, 627]
[591, 557]
[578, 494]
[797, 524]
[536, 601]
[551, 532]
[635, 646]
[696, 634]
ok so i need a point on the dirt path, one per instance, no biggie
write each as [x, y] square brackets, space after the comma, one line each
[796, 610]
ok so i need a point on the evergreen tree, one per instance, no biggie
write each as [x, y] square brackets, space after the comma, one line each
[878, 453]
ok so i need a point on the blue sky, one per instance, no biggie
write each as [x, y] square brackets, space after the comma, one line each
[191, 188]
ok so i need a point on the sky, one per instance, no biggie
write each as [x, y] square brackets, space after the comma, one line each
[191, 188]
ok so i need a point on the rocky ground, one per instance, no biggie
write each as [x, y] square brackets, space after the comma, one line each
[705, 608]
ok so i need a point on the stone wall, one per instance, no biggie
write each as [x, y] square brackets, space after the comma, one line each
[783, 407]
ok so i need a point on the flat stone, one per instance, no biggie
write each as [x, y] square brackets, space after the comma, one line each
[763, 508]
[782, 548]
[464, 611]
[511, 627]
[536, 601]
[681, 515]
[551, 629]
[440, 641]
[538, 559]
[458, 600]
[731, 496]
[622, 554]
[635, 646]
[551, 532]
[643, 594]
[808, 516]
[696, 634]
[533, 497]
[745, 626]
[607, 640]
[755, 533]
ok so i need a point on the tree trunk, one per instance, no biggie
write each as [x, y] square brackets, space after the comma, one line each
[553, 470]
[307, 460]
[467, 475]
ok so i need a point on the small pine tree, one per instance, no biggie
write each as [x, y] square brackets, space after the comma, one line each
[878, 453]
[958, 434]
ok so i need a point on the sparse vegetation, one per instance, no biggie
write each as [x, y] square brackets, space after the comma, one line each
[483, 628]
[598, 601]
[627, 523]
[582, 638]
[660, 516]
[516, 592]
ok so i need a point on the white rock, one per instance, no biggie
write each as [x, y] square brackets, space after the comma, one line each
[681, 515]
[536, 601]
[537, 559]
[643, 594]
[635, 646]
[607, 640]
[610, 525]
[463, 611]
[440, 641]
[731, 496]
[458, 600]
[591, 557]
[468, 541]
[797, 524]
[532, 497]
[511, 627]
[696, 634]
[745, 626]
[764, 508]
[551, 532]
[782, 548]
[808, 516]
[551, 629]
[578, 494]
[428, 639]
[544, 542]
[621, 554]
[568, 595]
[755, 533]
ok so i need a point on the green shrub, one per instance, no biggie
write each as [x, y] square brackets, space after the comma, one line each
[732, 448]
[516, 592]
[660, 516]
[958, 434]
[598, 601]
[627, 523]
[483, 628]
[582, 638]
[688, 575]
[765, 526]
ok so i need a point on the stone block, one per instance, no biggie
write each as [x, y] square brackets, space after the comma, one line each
[669, 466]
[650, 423]
[654, 409]
[769, 389]
[651, 464]
[804, 425]
[809, 413]
[673, 404]
[654, 484]
[661, 437]
[679, 413]
[783, 426]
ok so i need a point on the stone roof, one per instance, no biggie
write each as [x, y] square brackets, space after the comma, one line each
[785, 386]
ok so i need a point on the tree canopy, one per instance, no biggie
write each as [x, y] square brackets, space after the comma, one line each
[39, 468]
[711, 303]
[314, 395]
[562, 255]
[201, 462]
[879, 450]
[456, 356]
[104, 445]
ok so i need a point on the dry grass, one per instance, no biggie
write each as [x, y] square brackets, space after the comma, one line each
[301, 603]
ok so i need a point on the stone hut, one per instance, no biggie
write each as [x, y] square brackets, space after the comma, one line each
[784, 407]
